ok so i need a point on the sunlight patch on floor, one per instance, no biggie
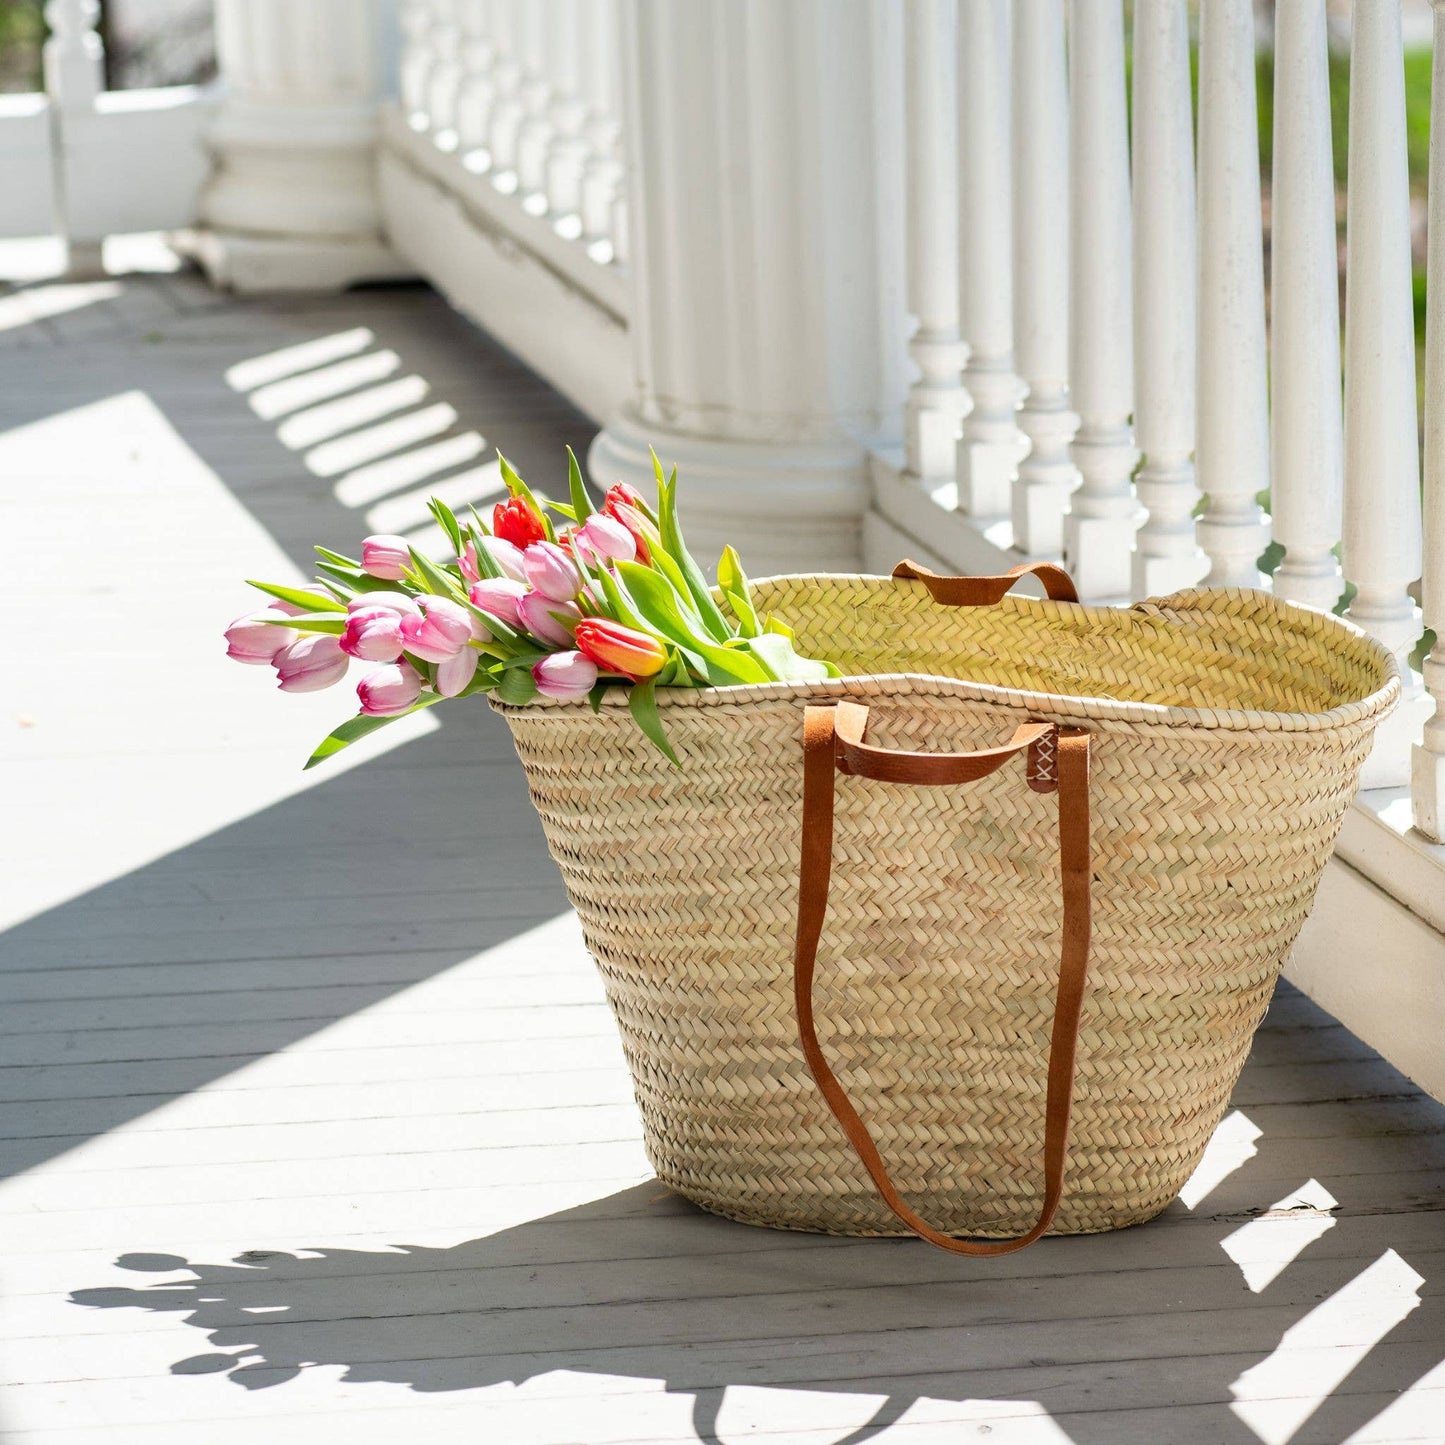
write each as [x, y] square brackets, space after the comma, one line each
[1231, 1147]
[35, 303]
[1275, 1397]
[1265, 1247]
[278, 398]
[156, 585]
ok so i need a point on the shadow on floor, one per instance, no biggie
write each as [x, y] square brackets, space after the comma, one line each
[642, 1285]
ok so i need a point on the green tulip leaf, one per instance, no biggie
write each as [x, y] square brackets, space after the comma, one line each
[658, 603]
[517, 686]
[447, 521]
[776, 652]
[299, 597]
[331, 622]
[581, 503]
[642, 703]
[336, 559]
[359, 727]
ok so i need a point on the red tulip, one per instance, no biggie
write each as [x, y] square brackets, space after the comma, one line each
[515, 522]
[616, 648]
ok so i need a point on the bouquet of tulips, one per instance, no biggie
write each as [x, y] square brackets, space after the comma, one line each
[527, 607]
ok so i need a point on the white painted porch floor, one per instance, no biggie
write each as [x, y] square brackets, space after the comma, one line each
[315, 1125]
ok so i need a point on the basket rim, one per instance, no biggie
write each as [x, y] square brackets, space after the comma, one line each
[1059, 706]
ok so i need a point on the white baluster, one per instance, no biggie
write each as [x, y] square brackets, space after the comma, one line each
[1307, 443]
[1103, 514]
[570, 144]
[508, 112]
[478, 84]
[1428, 762]
[1166, 556]
[1232, 445]
[988, 451]
[602, 85]
[417, 59]
[540, 24]
[1047, 474]
[937, 400]
[445, 78]
[74, 64]
[1382, 535]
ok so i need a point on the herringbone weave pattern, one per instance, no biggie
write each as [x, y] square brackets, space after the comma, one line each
[1229, 730]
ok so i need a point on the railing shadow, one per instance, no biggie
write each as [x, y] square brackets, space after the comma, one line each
[641, 1285]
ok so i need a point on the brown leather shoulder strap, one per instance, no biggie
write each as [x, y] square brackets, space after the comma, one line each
[985, 591]
[833, 736]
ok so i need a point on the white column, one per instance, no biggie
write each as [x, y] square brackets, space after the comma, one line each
[765, 357]
[1382, 532]
[1166, 555]
[478, 86]
[1047, 474]
[936, 400]
[1307, 442]
[1428, 760]
[292, 202]
[1232, 446]
[602, 85]
[1103, 514]
[989, 449]
[414, 65]
[74, 64]
[570, 145]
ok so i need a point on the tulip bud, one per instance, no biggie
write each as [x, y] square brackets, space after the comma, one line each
[621, 494]
[453, 675]
[252, 641]
[498, 597]
[385, 556]
[615, 648]
[644, 534]
[373, 634]
[402, 603]
[538, 614]
[441, 631]
[602, 538]
[315, 660]
[567, 676]
[467, 563]
[389, 690]
[515, 522]
[507, 557]
[551, 571]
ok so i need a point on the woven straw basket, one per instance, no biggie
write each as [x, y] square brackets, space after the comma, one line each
[1223, 736]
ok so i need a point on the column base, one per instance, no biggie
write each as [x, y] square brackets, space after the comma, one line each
[1038, 509]
[1427, 792]
[931, 427]
[234, 261]
[788, 507]
[1389, 764]
[986, 471]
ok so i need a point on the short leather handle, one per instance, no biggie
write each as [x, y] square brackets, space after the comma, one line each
[833, 739]
[985, 591]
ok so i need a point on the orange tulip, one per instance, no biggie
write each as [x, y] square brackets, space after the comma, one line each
[615, 648]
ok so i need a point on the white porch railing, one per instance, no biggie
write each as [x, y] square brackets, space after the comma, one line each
[83, 162]
[502, 177]
[1182, 385]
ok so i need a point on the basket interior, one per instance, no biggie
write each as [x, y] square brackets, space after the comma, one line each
[1229, 649]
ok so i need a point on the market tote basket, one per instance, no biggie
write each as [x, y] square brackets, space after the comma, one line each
[847, 943]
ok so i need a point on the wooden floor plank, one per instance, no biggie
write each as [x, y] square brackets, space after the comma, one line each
[312, 1121]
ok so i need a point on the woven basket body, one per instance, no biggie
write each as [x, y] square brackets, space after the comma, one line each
[1227, 730]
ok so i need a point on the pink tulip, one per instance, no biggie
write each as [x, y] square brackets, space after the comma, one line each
[315, 660]
[567, 676]
[443, 629]
[467, 563]
[373, 634]
[538, 614]
[507, 556]
[385, 556]
[455, 673]
[551, 571]
[402, 603]
[389, 690]
[602, 538]
[498, 596]
[252, 641]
